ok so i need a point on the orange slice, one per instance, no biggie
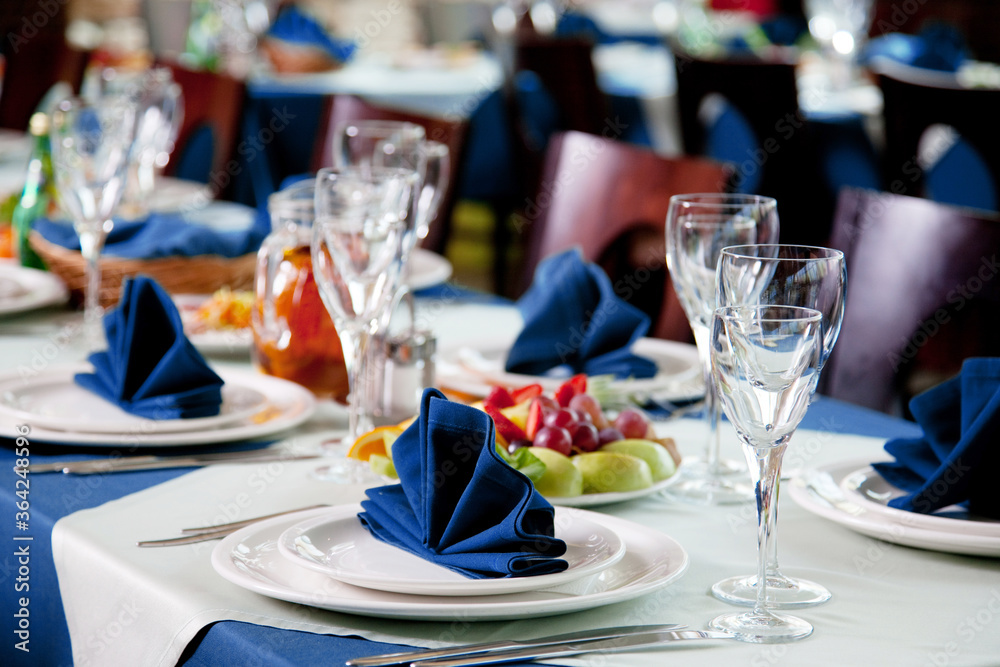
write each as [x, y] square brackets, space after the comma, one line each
[377, 441]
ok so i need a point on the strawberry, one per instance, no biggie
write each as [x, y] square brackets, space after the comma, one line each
[499, 398]
[570, 388]
[535, 414]
[526, 393]
[505, 427]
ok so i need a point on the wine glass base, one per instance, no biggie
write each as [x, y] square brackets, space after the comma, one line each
[709, 491]
[346, 471]
[763, 627]
[699, 468]
[782, 592]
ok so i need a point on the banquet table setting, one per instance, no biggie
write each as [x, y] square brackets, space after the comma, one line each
[288, 434]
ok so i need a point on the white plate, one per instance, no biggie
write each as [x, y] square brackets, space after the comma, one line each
[595, 499]
[879, 526]
[250, 559]
[51, 399]
[175, 194]
[288, 405]
[338, 545]
[475, 371]
[869, 490]
[426, 269]
[23, 289]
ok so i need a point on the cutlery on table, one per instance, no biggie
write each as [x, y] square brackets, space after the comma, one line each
[492, 648]
[576, 648]
[98, 466]
[206, 533]
[823, 486]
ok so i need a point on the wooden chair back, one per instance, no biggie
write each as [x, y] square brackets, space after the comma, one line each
[922, 295]
[339, 109]
[611, 199]
[213, 113]
[32, 67]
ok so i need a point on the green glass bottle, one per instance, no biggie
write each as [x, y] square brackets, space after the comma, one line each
[37, 198]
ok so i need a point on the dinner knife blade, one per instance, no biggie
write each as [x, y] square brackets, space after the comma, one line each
[96, 466]
[576, 648]
[472, 649]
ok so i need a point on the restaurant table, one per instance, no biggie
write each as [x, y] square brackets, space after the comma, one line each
[892, 605]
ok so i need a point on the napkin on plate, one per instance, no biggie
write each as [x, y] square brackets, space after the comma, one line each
[150, 368]
[165, 235]
[574, 319]
[458, 504]
[297, 27]
[938, 47]
[957, 461]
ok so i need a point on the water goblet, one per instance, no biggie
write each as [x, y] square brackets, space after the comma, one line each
[765, 360]
[783, 275]
[360, 222]
[90, 146]
[698, 227]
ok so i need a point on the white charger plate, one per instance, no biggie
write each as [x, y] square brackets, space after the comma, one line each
[53, 400]
[878, 525]
[250, 559]
[426, 269]
[476, 371]
[871, 491]
[338, 545]
[287, 406]
[27, 289]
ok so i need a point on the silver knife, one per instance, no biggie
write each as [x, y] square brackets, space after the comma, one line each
[576, 648]
[473, 649]
[95, 466]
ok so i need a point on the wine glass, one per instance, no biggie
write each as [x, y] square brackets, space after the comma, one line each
[159, 107]
[698, 227]
[841, 28]
[360, 222]
[90, 146]
[765, 361]
[783, 275]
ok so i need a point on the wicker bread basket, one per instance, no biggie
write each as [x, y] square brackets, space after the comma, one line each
[202, 274]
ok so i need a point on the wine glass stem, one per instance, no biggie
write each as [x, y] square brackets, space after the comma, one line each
[91, 244]
[353, 360]
[765, 466]
[712, 416]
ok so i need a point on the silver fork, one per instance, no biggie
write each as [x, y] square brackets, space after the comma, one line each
[206, 533]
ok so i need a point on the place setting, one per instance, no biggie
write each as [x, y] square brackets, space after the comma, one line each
[482, 544]
[936, 491]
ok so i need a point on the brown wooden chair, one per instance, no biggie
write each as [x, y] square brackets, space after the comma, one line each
[917, 99]
[343, 108]
[611, 199]
[213, 112]
[781, 163]
[922, 295]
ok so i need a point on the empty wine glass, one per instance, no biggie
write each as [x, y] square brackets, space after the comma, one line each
[840, 27]
[698, 227]
[90, 147]
[783, 275]
[159, 112]
[360, 221]
[765, 360]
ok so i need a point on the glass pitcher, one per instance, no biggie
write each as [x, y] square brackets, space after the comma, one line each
[293, 335]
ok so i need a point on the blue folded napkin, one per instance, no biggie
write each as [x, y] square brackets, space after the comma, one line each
[938, 47]
[297, 27]
[150, 367]
[958, 458]
[574, 322]
[458, 504]
[165, 235]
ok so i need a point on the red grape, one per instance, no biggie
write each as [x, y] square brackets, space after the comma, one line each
[558, 439]
[588, 404]
[548, 403]
[518, 444]
[586, 438]
[561, 418]
[610, 434]
[631, 423]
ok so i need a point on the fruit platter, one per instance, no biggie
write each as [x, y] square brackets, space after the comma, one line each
[574, 451]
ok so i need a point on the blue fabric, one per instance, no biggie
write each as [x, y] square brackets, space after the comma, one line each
[574, 24]
[165, 235]
[538, 110]
[847, 156]
[729, 138]
[938, 47]
[962, 178]
[458, 504]
[150, 367]
[574, 322]
[193, 160]
[295, 26]
[956, 459]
